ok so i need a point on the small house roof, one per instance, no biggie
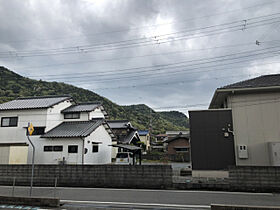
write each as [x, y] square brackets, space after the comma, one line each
[261, 81]
[38, 102]
[143, 132]
[161, 135]
[177, 137]
[74, 129]
[130, 136]
[259, 84]
[115, 124]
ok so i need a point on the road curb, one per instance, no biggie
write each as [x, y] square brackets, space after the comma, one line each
[241, 207]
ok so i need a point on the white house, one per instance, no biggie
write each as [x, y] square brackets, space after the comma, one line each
[64, 132]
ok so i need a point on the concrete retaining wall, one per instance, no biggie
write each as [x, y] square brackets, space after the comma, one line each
[120, 176]
[30, 201]
[183, 157]
[254, 178]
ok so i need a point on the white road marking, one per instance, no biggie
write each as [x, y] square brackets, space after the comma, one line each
[138, 204]
[151, 190]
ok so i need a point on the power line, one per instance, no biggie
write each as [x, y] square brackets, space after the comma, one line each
[181, 81]
[123, 43]
[150, 26]
[141, 56]
[199, 68]
[155, 67]
[81, 51]
[152, 70]
[184, 81]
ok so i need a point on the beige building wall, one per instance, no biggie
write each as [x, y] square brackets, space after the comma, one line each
[146, 140]
[256, 121]
[18, 155]
[4, 154]
[13, 154]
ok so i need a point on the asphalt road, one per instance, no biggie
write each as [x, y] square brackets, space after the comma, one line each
[92, 198]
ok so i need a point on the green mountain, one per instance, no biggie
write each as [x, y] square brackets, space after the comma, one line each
[141, 116]
[176, 118]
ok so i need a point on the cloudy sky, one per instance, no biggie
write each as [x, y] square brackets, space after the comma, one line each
[168, 54]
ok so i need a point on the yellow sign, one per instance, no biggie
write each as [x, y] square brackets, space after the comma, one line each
[30, 129]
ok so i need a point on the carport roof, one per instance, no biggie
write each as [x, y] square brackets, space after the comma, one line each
[128, 147]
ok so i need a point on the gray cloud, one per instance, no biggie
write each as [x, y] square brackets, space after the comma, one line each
[39, 25]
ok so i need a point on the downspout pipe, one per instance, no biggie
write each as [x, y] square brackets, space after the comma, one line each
[83, 151]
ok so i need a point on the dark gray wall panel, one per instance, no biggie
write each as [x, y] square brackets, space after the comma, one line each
[210, 149]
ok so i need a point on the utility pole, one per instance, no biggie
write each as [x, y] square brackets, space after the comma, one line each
[150, 126]
[30, 130]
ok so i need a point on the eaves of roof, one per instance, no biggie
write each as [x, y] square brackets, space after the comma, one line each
[221, 93]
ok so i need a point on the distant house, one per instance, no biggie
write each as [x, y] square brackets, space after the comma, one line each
[157, 144]
[64, 132]
[145, 138]
[161, 137]
[125, 133]
[171, 134]
[178, 144]
[241, 126]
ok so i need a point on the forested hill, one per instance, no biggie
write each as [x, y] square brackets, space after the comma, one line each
[13, 85]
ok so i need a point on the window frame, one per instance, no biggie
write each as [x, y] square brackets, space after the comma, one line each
[95, 146]
[73, 152]
[48, 146]
[58, 146]
[9, 123]
[71, 115]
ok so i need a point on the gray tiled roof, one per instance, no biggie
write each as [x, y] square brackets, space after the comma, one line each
[73, 129]
[87, 107]
[118, 123]
[186, 136]
[33, 102]
[262, 81]
[129, 137]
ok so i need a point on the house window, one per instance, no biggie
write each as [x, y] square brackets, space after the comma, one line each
[37, 131]
[74, 115]
[9, 121]
[72, 149]
[182, 149]
[57, 148]
[53, 148]
[95, 148]
[48, 148]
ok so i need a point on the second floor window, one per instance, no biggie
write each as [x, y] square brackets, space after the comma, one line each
[9, 121]
[74, 115]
